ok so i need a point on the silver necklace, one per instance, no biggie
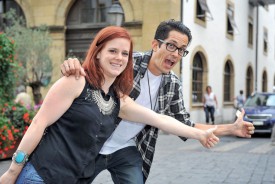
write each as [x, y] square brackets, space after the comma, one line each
[106, 107]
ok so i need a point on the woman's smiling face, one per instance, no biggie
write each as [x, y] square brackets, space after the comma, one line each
[114, 56]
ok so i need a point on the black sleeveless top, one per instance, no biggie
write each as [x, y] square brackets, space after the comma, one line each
[67, 151]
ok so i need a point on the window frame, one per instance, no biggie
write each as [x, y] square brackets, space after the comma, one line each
[231, 26]
[265, 41]
[264, 81]
[198, 83]
[250, 33]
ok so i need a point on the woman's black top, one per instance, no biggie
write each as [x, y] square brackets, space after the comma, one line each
[67, 151]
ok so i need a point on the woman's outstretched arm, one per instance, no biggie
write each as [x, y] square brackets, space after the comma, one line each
[132, 111]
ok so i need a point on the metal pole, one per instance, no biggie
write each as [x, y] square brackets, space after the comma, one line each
[181, 10]
[181, 19]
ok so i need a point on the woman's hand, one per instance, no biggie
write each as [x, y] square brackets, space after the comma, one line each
[208, 139]
[8, 177]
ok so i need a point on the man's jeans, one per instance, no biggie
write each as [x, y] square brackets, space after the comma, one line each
[29, 175]
[125, 166]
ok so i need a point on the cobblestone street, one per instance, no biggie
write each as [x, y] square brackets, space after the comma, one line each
[232, 161]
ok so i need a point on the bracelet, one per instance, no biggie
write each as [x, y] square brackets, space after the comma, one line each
[20, 157]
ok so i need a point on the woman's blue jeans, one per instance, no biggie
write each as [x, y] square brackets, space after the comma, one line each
[125, 166]
[29, 175]
[209, 110]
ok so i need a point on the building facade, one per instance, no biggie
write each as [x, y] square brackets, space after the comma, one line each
[232, 49]
[74, 23]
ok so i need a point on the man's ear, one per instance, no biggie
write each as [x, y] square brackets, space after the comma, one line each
[155, 45]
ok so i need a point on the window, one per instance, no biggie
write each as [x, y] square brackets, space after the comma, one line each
[5, 6]
[202, 11]
[85, 19]
[197, 79]
[265, 43]
[250, 33]
[89, 12]
[249, 81]
[228, 84]
[264, 82]
[231, 25]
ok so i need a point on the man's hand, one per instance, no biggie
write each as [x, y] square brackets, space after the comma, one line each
[243, 128]
[72, 66]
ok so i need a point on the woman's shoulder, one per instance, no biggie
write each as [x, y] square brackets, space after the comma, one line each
[71, 84]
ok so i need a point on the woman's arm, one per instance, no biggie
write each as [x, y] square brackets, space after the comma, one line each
[215, 98]
[57, 101]
[131, 111]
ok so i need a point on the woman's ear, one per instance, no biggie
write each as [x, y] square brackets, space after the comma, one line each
[98, 56]
[155, 45]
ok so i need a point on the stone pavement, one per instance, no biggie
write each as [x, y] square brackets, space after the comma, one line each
[232, 161]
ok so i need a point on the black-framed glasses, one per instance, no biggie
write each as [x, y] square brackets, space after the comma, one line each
[172, 48]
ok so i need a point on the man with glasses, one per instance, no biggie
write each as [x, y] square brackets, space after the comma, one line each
[129, 152]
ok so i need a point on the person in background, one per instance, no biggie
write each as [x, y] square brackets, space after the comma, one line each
[23, 97]
[156, 87]
[63, 141]
[210, 104]
[240, 99]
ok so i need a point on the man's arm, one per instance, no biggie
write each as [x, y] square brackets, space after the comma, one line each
[238, 128]
[72, 66]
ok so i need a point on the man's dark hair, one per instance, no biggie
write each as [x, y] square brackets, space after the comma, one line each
[165, 27]
[241, 92]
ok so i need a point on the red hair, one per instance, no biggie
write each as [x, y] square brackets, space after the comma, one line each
[124, 82]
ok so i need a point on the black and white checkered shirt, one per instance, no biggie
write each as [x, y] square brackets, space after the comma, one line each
[170, 102]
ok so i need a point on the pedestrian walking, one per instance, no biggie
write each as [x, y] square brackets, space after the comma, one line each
[240, 99]
[210, 104]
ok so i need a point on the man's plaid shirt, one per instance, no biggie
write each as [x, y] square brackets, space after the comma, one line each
[170, 102]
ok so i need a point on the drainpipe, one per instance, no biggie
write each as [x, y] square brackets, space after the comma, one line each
[181, 10]
[181, 19]
[256, 49]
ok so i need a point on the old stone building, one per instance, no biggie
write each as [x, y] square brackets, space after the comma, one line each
[74, 23]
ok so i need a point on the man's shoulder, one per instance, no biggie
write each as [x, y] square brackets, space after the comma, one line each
[138, 54]
[173, 76]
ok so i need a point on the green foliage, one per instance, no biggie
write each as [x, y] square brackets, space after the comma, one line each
[32, 49]
[9, 69]
[14, 118]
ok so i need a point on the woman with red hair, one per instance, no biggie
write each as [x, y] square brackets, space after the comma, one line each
[77, 117]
